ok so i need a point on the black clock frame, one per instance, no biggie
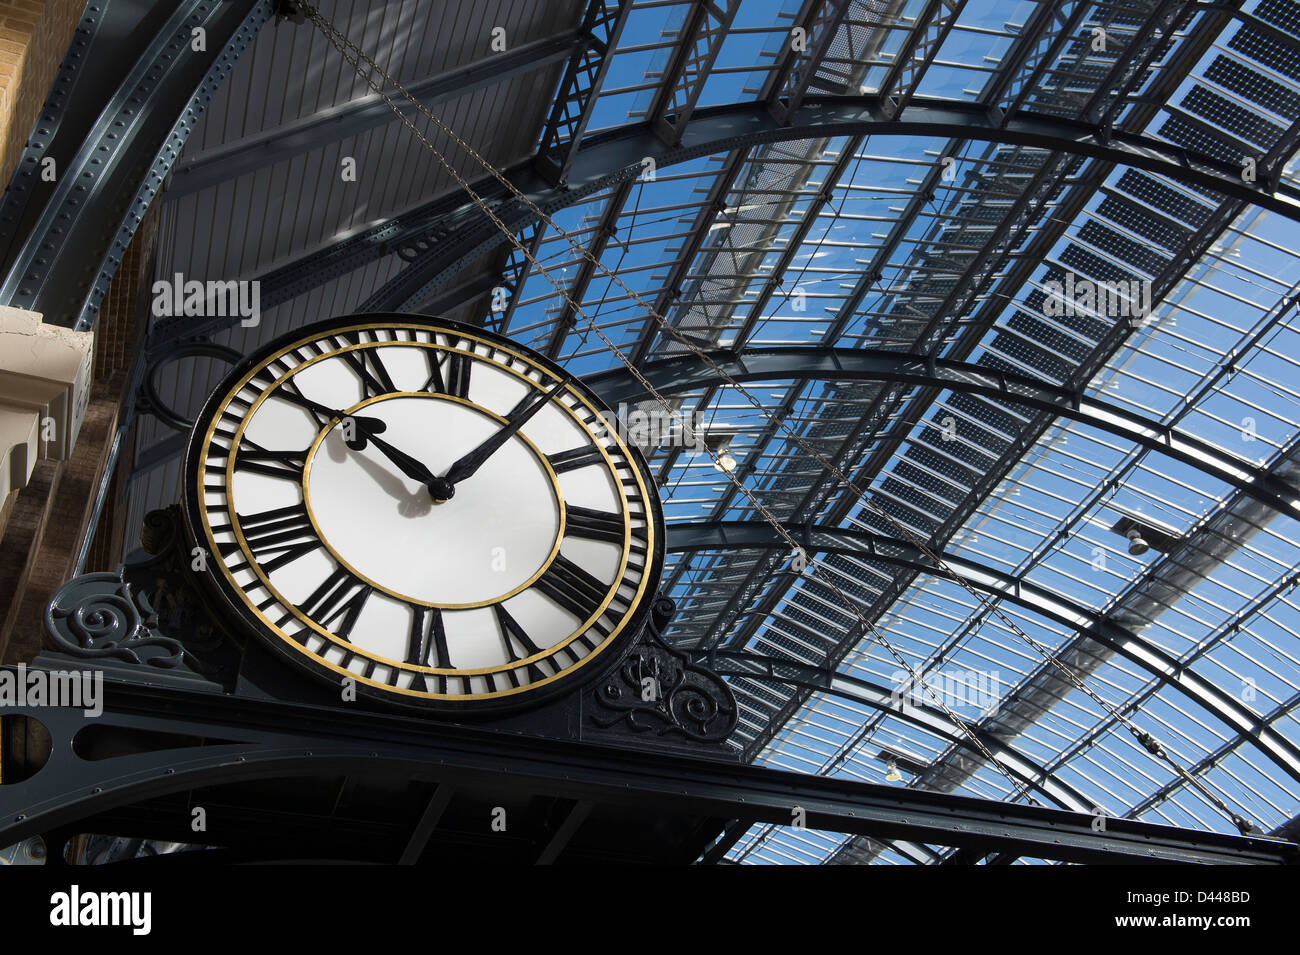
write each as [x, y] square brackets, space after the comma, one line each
[609, 657]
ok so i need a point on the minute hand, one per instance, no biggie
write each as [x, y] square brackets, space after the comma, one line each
[472, 461]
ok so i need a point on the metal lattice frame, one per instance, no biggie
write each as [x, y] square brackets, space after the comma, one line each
[1099, 627]
[1038, 151]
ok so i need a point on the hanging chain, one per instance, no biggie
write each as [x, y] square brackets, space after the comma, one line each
[357, 56]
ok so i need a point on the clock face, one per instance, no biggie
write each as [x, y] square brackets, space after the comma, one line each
[428, 509]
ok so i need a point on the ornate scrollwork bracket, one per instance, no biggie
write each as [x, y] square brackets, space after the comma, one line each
[102, 615]
[146, 614]
[657, 690]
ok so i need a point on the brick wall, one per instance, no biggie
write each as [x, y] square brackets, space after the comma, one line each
[123, 316]
[127, 299]
[34, 36]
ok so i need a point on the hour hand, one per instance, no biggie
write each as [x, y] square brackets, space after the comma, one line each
[408, 465]
[364, 426]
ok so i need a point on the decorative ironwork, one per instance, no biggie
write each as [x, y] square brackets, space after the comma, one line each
[102, 615]
[146, 613]
[658, 689]
[150, 401]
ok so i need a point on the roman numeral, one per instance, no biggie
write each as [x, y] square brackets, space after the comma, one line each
[288, 391]
[426, 644]
[570, 651]
[513, 633]
[288, 465]
[369, 367]
[594, 525]
[435, 382]
[341, 595]
[575, 458]
[227, 425]
[450, 375]
[458, 369]
[572, 587]
[277, 536]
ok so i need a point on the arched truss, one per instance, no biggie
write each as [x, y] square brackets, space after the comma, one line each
[113, 137]
[690, 372]
[444, 237]
[759, 667]
[739, 535]
[613, 157]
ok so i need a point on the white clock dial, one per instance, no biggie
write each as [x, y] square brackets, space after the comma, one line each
[432, 511]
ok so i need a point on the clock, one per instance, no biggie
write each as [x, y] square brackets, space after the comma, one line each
[424, 511]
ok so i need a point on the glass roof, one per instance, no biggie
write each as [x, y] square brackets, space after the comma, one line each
[952, 247]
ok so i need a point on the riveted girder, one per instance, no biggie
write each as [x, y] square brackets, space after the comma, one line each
[685, 373]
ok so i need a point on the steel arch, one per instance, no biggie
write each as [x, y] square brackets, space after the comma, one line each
[113, 145]
[251, 739]
[708, 535]
[757, 666]
[685, 373]
[617, 155]
[459, 233]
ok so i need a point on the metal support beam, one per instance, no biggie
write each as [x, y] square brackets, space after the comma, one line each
[755, 666]
[699, 42]
[232, 160]
[790, 79]
[140, 91]
[515, 273]
[687, 40]
[573, 821]
[601, 29]
[1052, 24]
[427, 824]
[709, 211]
[1077, 618]
[845, 159]
[685, 373]
[605, 230]
[458, 296]
[1170, 17]
[283, 740]
[456, 233]
[730, 836]
[933, 24]
[831, 56]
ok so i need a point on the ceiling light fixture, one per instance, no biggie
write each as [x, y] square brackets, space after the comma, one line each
[718, 441]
